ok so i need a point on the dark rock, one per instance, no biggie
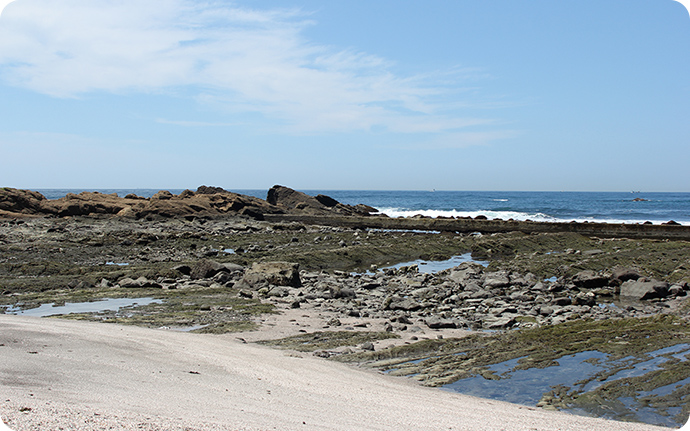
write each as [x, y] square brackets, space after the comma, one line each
[676, 290]
[561, 301]
[162, 195]
[245, 294]
[292, 200]
[183, 269]
[15, 202]
[210, 190]
[590, 280]
[206, 269]
[326, 200]
[370, 286]
[334, 322]
[624, 274]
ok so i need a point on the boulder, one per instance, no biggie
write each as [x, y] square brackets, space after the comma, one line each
[491, 322]
[644, 288]
[496, 279]
[590, 280]
[206, 268]
[271, 273]
[622, 274]
[405, 304]
[437, 322]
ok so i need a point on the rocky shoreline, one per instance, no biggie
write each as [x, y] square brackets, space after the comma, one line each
[221, 262]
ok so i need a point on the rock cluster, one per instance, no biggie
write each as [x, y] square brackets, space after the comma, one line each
[205, 202]
[467, 296]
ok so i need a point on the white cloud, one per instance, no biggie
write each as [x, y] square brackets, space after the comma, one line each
[241, 59]
[685, 3]
[3, 4]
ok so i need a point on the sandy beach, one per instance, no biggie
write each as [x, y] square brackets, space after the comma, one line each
[59, 374]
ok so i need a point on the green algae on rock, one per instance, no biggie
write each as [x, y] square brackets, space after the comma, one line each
[328, 340]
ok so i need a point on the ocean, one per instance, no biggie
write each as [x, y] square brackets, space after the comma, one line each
[604, 207]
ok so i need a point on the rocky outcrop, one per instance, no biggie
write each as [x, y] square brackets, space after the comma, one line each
[20, 203]
[293, 201]
[206, 202]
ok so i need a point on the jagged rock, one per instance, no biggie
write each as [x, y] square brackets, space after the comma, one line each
[140, 282]
[15, 202]
[644, 288]
[293, 200]
[162, 195]
[583, 298]
[209, 202]
[210, 190]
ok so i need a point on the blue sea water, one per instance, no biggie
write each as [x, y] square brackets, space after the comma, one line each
[607, 207]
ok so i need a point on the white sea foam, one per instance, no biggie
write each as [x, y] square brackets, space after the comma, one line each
[507, 215]
[504, 215]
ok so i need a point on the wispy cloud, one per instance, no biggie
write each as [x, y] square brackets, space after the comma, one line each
[237, 58]
[454, 140]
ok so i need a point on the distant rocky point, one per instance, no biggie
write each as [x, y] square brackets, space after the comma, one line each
[204, 202]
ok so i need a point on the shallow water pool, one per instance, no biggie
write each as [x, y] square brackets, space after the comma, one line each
[111, 304]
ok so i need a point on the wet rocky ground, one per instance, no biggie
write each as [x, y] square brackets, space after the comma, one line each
[522, 301]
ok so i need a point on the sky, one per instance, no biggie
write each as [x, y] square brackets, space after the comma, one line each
[533, 95]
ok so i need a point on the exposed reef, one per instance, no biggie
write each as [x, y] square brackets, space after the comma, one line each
[218, 262]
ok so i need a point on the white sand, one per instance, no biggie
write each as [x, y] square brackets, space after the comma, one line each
[59, 374]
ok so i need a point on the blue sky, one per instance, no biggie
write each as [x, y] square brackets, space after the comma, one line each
[584, 95]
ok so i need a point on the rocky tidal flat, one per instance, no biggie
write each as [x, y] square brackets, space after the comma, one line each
[221, 263]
